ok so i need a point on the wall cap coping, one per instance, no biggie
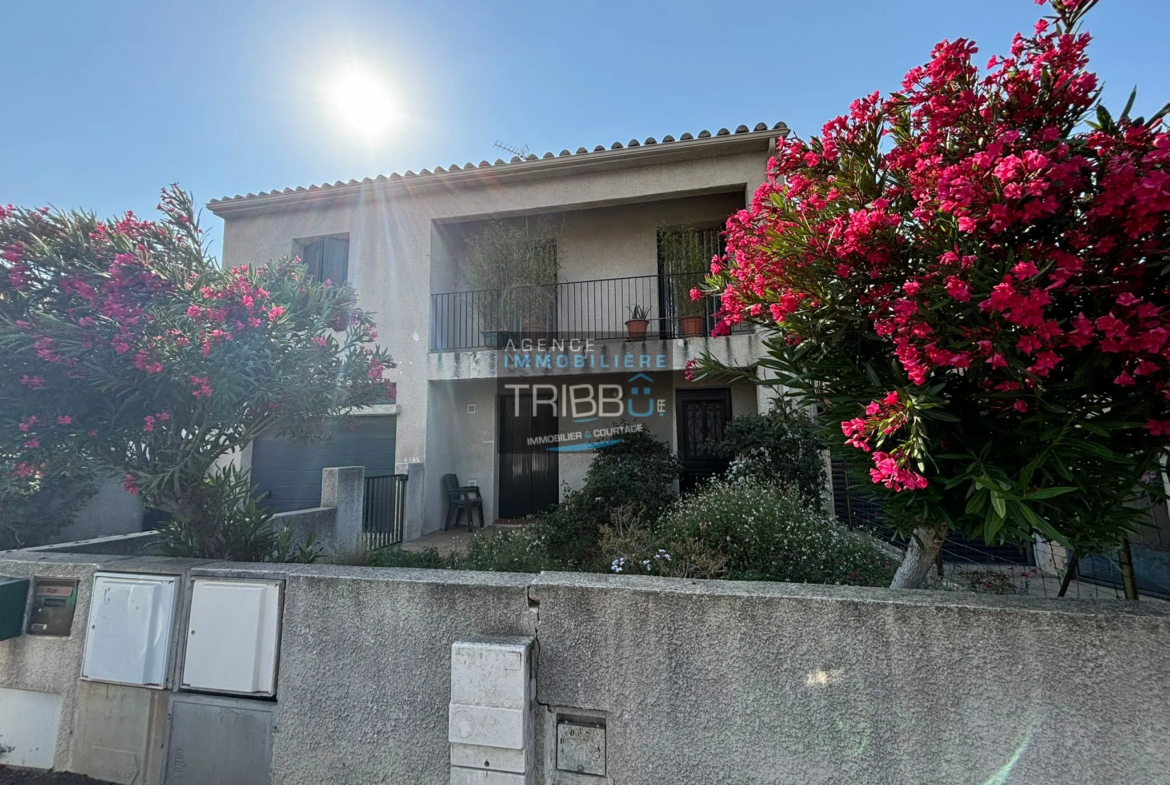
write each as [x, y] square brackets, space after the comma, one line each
[553, 582]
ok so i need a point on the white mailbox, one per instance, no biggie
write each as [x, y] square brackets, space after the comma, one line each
[490, 716]
[129, 636]
[233, 637]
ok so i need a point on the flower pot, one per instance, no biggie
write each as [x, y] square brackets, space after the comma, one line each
[636, 329]
[691, 326]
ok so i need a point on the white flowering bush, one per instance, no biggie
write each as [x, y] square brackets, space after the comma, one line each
[758, 531]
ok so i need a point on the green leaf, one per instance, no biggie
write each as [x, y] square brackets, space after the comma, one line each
[1061, 468]
[1048, 493]
[977, 501]
[1096, 449]
[1046, 529]
[1103, 117]
[991, 529]
[998, 503]
[988, 483]
[1093, 428]
[1129, 104]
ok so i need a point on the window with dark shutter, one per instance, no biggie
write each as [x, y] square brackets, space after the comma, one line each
[327, 258]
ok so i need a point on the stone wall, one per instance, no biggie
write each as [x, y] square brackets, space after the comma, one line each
[696, 681]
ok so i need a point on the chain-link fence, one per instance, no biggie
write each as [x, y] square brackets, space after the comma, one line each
[1040, 570]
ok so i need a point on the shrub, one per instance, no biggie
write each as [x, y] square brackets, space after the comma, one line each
[637, 474]
[124, 346]
[429, 559]
[235, 526]
[764, 532]
[968, 278]
[33, 509]
[522, 550]
[780, 447]
[630, 546]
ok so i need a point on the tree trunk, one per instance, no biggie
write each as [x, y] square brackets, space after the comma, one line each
[921, 553]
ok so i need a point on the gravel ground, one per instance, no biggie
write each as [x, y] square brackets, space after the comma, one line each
[11, 776]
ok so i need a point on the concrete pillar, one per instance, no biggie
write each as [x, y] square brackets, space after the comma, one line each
[414, 526]
[344, 488]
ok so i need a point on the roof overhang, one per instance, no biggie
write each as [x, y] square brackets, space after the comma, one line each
[550, 166]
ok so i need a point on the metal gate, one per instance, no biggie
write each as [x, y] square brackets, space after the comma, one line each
[384, 510]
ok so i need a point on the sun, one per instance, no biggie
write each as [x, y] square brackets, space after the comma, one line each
[362, 102]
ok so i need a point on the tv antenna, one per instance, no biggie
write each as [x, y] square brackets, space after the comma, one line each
[519, 153]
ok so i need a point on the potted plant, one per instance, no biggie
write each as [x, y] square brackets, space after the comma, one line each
[638, 322]
[692, 314]
[684, 254]
[514, 270]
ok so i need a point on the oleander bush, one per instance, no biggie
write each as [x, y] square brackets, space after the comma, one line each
[969, 279]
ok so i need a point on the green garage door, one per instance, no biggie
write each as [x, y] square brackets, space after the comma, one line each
[291, 471]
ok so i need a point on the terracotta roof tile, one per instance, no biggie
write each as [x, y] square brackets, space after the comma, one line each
[780, 128]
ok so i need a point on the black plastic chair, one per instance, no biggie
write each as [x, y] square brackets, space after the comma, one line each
[460, 498]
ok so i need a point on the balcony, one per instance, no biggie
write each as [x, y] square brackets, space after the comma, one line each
[599, 309]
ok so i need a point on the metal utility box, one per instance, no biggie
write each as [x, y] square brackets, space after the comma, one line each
[29, 724]
[220, 740]
[54, 603]
[13, 599]
[129, 635]
[490, 716]
[233, 638]
[581, 747]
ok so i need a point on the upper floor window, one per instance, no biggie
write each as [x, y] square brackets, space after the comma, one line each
[326, 257]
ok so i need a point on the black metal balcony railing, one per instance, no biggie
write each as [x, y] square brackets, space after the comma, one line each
[598, 309]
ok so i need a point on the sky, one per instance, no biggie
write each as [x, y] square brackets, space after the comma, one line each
[105, 103]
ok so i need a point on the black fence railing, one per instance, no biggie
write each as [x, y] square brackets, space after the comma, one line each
[384, 510]
[1008, 569]
[858, 509]
[597, 309]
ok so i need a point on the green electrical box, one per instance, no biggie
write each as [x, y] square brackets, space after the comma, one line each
[13, 599]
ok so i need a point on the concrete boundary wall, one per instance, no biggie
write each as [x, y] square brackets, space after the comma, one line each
[695, 681]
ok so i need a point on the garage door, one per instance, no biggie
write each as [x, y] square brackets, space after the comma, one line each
[291, 471]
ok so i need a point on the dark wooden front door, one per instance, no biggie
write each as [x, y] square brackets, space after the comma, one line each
[529, 476]
[702, 418]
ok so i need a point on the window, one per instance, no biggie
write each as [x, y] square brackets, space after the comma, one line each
[684, 257]
[326, 257]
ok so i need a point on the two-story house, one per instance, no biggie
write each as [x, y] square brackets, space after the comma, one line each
[503, 385]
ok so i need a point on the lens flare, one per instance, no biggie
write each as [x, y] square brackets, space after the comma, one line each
[362, 102]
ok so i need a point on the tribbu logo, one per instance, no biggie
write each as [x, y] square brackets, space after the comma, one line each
[588, 402]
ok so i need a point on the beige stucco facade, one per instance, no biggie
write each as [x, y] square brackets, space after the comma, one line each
[406, 236]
